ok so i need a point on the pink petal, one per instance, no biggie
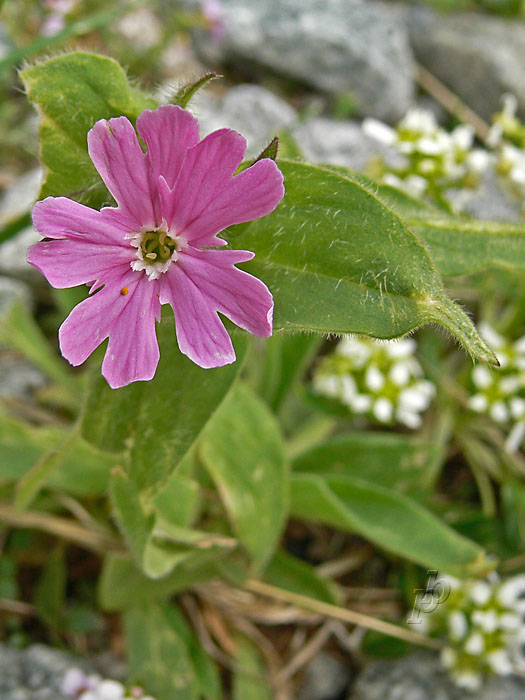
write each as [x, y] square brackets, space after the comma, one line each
[244, 299]
[129, 321]
[60, 217]
[114, 149]
[200, 333]
[168, 132]
[206, 172]
[70, 262]
[250, 195]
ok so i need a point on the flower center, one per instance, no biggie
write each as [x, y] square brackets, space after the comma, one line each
[156, 251]
[157, 246]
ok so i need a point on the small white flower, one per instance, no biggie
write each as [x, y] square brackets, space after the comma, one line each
[510, 384]
[383, 410]
[489, 334]
[400, 348]
[400, 373]
[500, 662]
[448, 657]
[419, 120]
[416, 185]
[463, 136]
[327, 385]
[512, 591]
[374, 379]
[348, 389]
[110, 690]
[515, 437]
[488, 620]
[457, 625]
[478, 403]
[468, 680]
[378, 130]
[509, 621]
[482, 377]
[354, 350]
[499, 412]
[361, 403]
[475, 644]
[411, 420]
[480, 593]
[478, 160]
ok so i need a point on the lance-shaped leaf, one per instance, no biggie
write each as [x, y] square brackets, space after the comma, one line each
[71, 92]
[389, 519]
[337, 259]
[458, 245]
[243, 451]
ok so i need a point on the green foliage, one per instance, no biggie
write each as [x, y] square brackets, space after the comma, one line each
[391, 520]
[365, 272]
[250, 681]
[158, 421]
[243, 451]
[58, 87]
[386, 459]
[160, 646]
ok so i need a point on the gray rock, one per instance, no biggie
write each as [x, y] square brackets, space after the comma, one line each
[325, 678]
[15, 201]
[480, 57]
[336, 46]
[490, 200]
[37, 673]
[420, 677]
[324, 140]
[251, 110]
[20, 196]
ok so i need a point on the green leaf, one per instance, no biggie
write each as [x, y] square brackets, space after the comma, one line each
[72, 92]
[19, 330]
[250, 680]
[457, 245]
[134, 521]
[82, 471]
[391, 520]
[292, 574]
[159, 658]
[50, 590]
[243, 451]
[170, 546]
[339, 261]
[159, 420]
[122, 585]
[387, 459]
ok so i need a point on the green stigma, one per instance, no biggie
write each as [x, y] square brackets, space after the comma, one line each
[157, 246]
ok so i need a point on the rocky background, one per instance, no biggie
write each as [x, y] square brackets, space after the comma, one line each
[367, 55]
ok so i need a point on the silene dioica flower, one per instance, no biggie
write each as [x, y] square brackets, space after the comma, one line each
[159, 245]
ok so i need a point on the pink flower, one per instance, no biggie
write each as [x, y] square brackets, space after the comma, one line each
[156, 246]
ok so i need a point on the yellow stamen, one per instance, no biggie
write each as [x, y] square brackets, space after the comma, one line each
[124, 291]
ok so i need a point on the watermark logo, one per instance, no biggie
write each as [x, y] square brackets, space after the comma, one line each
[427, 599]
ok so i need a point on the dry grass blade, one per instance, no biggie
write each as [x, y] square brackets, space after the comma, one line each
[337, 613]
[61, 527]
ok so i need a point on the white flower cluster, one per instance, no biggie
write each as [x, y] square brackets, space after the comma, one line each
[507, 137]
[484, 626]
[80, 686]
[382, 380]
[434, 158]
[500, 392]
